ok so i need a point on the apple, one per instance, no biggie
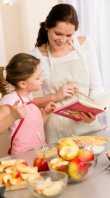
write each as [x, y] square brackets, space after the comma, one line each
[16, 173]
[8, 162]
[8, 169]
[13, 181]
[69, 152]
[86, 155]
[41, 163]
[6, 178]
[24, 163]
[77, 169]
[58, 164]
[65, 142]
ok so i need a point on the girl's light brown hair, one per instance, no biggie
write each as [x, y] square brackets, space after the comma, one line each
[19, 68]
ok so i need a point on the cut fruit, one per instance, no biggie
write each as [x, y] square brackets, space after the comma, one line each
[69, 152]
[59, 164]
[54, 189]
[6, 178]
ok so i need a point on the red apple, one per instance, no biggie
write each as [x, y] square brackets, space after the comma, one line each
[86, 155]
[41, 163]
[24, 163]
[77, 169]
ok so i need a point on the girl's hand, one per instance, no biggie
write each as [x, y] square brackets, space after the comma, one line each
[18, 111]
[87, 118]
[68, 90]
[50, 107]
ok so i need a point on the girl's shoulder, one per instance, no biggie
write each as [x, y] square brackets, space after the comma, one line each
[9, 98]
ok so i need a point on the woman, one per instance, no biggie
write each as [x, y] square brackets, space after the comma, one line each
[69, 64]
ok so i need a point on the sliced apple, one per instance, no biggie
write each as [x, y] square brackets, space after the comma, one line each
[8, 169]
[13, 181]
[8, 162]
[69, 152]
[1, 168]
[6, 178]
[54, 189]
[59, 164]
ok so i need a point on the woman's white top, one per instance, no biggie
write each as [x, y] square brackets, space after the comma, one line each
[80, 68]
[89, 52]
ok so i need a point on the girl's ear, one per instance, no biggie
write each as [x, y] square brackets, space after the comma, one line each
[21, 84]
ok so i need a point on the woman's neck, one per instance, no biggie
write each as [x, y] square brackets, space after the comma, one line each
[60, 52]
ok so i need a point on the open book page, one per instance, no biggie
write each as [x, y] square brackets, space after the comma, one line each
[103, 99]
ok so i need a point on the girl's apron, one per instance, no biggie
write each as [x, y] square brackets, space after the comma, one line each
[25, 136]
[73, 71]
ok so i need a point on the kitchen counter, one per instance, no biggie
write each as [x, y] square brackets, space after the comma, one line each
[98, 185]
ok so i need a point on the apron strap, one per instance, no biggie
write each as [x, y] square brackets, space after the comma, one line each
[13, 137]
[19, 125]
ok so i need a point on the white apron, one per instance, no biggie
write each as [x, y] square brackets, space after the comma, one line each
[73, 71]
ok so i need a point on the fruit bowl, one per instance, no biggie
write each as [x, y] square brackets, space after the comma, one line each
[77, 169]
[50, 184]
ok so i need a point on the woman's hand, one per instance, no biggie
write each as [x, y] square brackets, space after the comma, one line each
[87, 118]
[68, 90]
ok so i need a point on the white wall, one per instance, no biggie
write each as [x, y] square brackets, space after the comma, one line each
[19, 25]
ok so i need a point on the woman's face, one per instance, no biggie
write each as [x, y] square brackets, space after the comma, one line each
[60, 35]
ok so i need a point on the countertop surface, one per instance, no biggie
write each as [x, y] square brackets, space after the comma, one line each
[98, 185]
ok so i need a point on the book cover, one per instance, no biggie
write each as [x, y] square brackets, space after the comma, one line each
[83, 104]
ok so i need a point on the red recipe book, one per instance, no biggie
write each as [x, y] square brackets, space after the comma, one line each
[84, 104]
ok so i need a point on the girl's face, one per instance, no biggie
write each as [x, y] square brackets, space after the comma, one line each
[60, 35]
[34, 82]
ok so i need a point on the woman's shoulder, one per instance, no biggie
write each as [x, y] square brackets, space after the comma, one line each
[85, 40]
[81, 39]
[39, 51]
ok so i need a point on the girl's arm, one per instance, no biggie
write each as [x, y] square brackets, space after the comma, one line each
[68, 90]
[9, 114]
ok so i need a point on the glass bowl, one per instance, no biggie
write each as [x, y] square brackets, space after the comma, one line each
[97, 149]
[77, 169]
[46, 150]
[49, 184]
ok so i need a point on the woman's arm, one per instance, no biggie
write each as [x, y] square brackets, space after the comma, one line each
[9, 114]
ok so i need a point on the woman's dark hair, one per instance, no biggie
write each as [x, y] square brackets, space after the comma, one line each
[59, 13]
[20, 68]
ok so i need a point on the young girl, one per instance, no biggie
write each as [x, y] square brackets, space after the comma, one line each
[24, 73]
